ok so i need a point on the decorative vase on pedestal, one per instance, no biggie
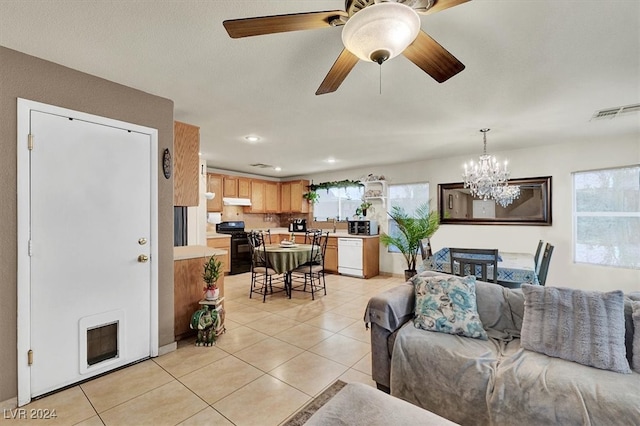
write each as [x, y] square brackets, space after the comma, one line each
[212, 293]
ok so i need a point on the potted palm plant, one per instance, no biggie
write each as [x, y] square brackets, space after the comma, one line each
[411, 230]
[210, 275]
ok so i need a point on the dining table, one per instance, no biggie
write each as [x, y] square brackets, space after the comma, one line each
[285, 258]
[514, 269]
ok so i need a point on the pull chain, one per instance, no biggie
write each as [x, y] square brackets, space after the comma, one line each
[380, 78]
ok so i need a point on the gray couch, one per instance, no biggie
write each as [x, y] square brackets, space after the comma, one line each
[495, 381]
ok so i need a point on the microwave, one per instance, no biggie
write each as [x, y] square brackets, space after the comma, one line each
[362, 227]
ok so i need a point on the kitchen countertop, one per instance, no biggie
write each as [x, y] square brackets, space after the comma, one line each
[341, 233]
[216, 235]
[192, 252]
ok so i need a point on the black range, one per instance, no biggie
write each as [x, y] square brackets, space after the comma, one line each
[240, 256]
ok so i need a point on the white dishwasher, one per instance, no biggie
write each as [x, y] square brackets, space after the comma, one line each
[350, 256]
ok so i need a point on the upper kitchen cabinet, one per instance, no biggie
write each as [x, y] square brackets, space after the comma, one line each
[291, 200]
[244, 188]
[236, 187]
[214, 184]
[186, 145]
[230, 188]
[285, 197]
[265, 197]
[272, 197]
[257, 197]
[299, 204]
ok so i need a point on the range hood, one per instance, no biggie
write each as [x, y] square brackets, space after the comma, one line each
[236, 201]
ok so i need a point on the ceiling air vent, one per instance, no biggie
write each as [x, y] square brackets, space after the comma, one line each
[261, 166]
[611, 113]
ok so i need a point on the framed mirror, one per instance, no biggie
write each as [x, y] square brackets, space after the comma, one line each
[457, 206]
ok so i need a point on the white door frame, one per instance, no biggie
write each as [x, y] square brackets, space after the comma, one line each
[24, 227]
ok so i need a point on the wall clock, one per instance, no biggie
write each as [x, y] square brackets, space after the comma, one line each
[166, 163]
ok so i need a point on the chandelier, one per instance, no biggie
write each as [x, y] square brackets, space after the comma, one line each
[487, 179]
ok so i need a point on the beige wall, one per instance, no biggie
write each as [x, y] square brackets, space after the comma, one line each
[558, 161]
[34, 79]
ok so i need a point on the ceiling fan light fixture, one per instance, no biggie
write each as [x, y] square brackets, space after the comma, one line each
[381, 31]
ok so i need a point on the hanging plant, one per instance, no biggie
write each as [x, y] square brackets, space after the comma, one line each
[311, 196]
[334, 184]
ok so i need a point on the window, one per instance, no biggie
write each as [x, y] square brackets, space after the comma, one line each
[606, 218]
[408, 196]
[338, 203]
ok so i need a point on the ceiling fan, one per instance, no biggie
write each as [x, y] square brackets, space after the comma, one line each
[374, 30]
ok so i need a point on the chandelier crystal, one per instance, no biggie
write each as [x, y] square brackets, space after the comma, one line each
[505, 195]
[487, 179]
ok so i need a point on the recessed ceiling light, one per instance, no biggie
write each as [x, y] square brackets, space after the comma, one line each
[331, 160]
[277, 169]
[252, 138]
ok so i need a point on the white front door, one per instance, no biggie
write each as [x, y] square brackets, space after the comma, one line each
[92, 273]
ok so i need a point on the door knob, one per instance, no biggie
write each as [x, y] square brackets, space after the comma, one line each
[143, 258]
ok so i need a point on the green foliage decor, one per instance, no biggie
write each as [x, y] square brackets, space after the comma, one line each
[211, 272]
[334, 184]
[311, 196]
[412, 231]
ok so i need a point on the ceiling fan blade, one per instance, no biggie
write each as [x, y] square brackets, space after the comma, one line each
[338, 72]
[247, 27]
[432, 58]
[442, 5]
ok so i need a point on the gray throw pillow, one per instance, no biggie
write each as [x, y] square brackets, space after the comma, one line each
[576, 325]
[447, 304]
[635, 363]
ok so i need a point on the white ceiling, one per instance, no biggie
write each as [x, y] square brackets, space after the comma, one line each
[536, 70]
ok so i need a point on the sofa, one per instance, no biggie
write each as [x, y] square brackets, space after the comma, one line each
[495, 381]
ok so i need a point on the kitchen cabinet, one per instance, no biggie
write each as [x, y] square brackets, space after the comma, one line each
[291, 200]
[271, 197]
[257, 197]
[225, 244]
[265, 197]
[371, 256]
[230, 187]
[244, 188]
[285, 197]
[299, 204]
[186, 145]
[187, 292]
[236, 187]
[331, 256]
[214, 184]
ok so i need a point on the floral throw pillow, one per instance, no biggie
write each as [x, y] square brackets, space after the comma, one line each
[447, 304]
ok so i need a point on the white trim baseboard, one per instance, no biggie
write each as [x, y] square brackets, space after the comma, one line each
[167, 348]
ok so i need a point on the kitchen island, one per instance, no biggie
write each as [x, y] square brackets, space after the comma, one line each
[221, 241]
[188, 265]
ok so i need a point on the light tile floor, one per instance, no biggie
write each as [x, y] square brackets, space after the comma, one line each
[275, 357]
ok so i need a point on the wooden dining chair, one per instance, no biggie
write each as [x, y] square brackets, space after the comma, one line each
[544, 264]
[262, 276]
[470, 261]
[312, 272]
